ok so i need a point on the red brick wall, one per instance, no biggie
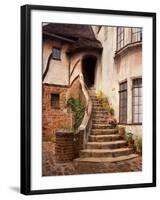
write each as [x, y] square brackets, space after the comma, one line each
[54, 119]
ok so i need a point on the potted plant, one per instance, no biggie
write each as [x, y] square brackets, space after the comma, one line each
[130, 140]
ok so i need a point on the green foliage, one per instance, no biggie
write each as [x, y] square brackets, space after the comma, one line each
[138, 144]
[111, 110]
[129, 136]
[104, 101]
[78, 110]
[102, 98]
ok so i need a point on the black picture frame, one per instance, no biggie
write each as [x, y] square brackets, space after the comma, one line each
[26, 98]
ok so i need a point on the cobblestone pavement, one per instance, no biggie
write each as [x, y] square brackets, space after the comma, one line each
[51, 168]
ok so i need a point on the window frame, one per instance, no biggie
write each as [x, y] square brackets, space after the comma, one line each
[120, 36]
[137, 34]
[125, 89]
[139, 113]
[57, 106]
[55, 57]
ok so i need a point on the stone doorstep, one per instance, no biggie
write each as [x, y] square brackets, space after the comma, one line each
[106, 145]
[103, 131]
[105, 152]
[104, 138]
[106, 160]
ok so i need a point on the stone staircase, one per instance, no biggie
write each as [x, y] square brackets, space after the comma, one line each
[106, 151]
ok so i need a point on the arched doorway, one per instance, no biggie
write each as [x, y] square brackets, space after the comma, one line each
[88, 70]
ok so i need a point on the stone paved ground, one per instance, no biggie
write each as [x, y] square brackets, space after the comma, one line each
[51, 168]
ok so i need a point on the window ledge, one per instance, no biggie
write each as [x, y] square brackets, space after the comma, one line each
[126, 48]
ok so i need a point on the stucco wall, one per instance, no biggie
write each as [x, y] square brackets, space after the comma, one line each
[126, 66]
[58, 72]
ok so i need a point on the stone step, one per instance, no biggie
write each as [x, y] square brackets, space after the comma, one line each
[104, 159]
[97, 106]
[104, 138]
[90, 165]
[93, 165]
[94, 99]
[102, 126]
[100, 120]
[106, 145]
[104, 131]
[105, 152]
[100, 109]
[100, 115]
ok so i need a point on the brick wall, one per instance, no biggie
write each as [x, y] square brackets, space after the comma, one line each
[68, 145]
[64, 148]
[54, 119]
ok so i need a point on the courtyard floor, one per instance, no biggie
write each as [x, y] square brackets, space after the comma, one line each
[51, 168]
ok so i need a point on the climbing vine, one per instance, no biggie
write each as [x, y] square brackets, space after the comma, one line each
[78, 110]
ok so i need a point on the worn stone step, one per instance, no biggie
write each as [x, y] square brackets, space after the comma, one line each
[100, 115]
[106, 145]
[100, 120]
[104, 138]
[96, 102]
[94, 99]
[104, 159]
[102, 126]
[105, 152]
[100, 112]
[103, 131]
[97, 107]
[93, 165]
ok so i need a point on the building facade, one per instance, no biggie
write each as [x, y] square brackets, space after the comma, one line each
[121, 65]
[110, 59]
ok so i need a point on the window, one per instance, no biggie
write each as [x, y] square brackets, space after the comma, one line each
[137, 101]
[56, 53]
[120, 37]
[54, 101]
[123, 102]
[136, 34]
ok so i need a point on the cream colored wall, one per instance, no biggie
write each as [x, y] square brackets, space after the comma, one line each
[58, 69]
[114, 71]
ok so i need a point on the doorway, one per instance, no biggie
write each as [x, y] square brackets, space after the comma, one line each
[88, 70]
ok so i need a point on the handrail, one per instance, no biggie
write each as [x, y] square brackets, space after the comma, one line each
[84, 127]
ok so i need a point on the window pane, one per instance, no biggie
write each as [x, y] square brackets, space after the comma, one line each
[54, 100]
[140, 109]
[135, 92]
[56, 53]
[140, 118]
[140, 100]
[140, 91]
[135, 118]
[123, 103]
[137, 100]
[135, 109]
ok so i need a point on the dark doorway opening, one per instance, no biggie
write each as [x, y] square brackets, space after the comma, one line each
[88, 70]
